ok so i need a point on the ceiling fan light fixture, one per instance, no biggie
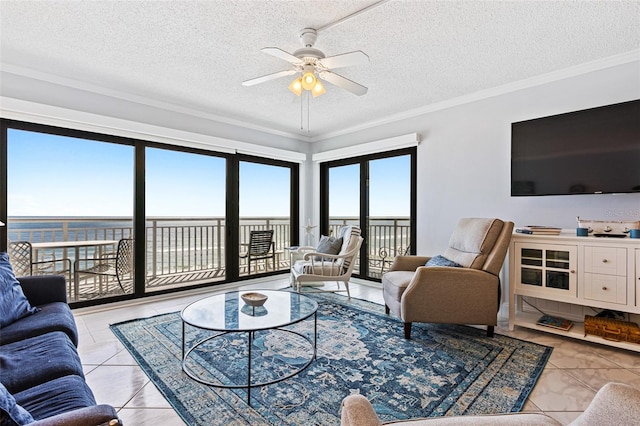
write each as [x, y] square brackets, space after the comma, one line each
[318, 89]
[296, 86]
[308, 80]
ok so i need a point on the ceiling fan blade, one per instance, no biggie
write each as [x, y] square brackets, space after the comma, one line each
[345, 60]
[267, 77]
[279, 53]
[344, 83]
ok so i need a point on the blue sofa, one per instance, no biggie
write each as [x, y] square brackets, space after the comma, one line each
[42, 382]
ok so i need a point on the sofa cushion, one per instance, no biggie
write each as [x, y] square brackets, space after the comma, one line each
[12, 413]
[13, 303]
[50, 317]
[37, 360]
[440, 260]
[56, 396]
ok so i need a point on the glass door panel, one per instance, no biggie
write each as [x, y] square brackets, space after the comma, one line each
[389, 220]
[70, 203]
[344, 200]
[265, 205]
[185, 223]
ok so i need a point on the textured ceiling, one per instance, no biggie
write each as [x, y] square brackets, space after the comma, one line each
[195, 54]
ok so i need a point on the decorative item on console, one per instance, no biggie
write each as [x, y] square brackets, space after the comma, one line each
[608, 228]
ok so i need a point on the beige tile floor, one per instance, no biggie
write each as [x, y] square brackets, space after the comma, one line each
[569, 381]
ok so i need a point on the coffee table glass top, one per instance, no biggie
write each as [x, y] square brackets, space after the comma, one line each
[228, 312]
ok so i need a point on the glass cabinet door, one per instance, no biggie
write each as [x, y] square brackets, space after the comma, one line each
[544, 268]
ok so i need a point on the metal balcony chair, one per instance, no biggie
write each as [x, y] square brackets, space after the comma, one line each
[118, 265]
[261, 247]
[21, 257]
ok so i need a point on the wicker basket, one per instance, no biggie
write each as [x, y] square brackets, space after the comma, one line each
[611, 329]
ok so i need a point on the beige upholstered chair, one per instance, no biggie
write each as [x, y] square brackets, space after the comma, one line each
[454, 295]
[317, 268]
[614, 404]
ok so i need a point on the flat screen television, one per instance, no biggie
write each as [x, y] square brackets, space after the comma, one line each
[593, 151]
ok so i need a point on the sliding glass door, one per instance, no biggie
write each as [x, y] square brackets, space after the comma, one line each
[376, 192]
[123, 218]
[185, 218]
[265, 196]
[69, 205]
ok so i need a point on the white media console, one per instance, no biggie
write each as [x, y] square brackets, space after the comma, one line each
[570, 277]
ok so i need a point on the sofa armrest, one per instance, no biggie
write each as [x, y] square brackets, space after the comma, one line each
[614, 402]
[358, 411]
[43, 289]
[408, 263]
[98, 415]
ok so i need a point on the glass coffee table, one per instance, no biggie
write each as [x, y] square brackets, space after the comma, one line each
[227, 313]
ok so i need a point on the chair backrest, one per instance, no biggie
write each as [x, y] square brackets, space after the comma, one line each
[124, 257]
[349, 235]
[480, 243]
[260, 242]
[20, 256]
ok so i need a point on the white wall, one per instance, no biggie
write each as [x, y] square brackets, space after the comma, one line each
[464, 157]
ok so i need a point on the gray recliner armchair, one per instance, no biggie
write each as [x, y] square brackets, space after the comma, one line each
[468, 294]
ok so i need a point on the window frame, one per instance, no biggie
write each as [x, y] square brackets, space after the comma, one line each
[139, 213]
[363, 161]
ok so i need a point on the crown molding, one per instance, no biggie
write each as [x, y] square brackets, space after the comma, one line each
[600, 64]
[17, 109]
[143, 100]
[574, 71]
[382, 145]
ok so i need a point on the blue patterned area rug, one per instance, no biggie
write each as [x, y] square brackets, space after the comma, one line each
[443, 370]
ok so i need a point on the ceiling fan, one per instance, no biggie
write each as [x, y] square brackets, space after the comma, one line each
[311, 66]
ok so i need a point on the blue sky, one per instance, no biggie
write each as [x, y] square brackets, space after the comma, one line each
[389, 188]
[52, 175]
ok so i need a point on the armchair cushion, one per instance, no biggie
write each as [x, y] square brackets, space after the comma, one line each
[10, 412]
[13, 303]
[471, 241]
[442, 261]
[326, 268]
[328, 245]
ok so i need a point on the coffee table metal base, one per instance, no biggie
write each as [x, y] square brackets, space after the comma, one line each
[313, 341]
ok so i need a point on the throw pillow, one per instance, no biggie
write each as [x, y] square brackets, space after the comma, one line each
[10, 412]
[442, 261]
[13, 303]
[328, 245]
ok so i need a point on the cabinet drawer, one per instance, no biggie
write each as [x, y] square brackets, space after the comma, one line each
[605, 288]
[605, 260]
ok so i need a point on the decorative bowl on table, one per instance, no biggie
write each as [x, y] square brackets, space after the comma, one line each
[254, 299]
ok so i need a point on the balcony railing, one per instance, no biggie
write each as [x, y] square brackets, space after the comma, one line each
[183, 251]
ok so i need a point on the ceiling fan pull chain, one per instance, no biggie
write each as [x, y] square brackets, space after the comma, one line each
[308, 114]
